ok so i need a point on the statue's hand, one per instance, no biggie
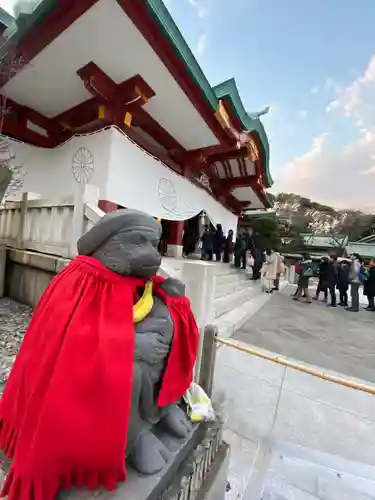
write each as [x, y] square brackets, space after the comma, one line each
[150, 348]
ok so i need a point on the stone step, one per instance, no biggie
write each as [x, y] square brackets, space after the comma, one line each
[328, 490]
[278, 489]
[233, 275]
[222, 289]
[235, 298]
[234, 318]
[305, 469]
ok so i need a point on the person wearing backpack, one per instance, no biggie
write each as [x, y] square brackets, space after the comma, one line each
[306, 273]
[356, 278]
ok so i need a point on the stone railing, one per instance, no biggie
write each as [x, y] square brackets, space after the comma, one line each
[49, 226]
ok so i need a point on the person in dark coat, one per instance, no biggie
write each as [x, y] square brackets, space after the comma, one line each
[322, 284]
[207, 240]
[218, 242]
[256, 247]
[239, 251]
[228, 247]
[369, 287]
[343, 282]
[331, 276]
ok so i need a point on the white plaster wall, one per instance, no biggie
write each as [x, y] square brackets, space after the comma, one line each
[138, 180]
[48, 172]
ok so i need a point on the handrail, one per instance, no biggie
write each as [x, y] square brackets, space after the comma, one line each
[297, 366]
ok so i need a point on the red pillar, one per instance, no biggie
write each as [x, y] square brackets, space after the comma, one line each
[176, 231]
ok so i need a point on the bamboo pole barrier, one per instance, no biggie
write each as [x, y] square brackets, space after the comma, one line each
[297, 366]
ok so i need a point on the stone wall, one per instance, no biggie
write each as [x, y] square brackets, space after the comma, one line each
[27, 274]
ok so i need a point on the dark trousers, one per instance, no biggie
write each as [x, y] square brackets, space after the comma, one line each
[256, 270]
[343, 296]
[371, 303]
[243, 261]
[332, 292]
[206, 254]
[354, 293]
[276, 282]
[227, 256]
[321, 288]
[218, 256]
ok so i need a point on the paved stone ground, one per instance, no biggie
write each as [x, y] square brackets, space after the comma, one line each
[326, 337]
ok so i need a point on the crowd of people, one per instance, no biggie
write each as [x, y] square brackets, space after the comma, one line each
[247, 252]
[337, 277]
[340, 276]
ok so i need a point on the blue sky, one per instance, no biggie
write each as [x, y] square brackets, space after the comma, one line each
[311, 61]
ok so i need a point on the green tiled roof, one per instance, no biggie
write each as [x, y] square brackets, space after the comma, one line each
[170, 30]
[363, 249]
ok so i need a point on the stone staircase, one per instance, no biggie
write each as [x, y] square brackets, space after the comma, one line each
[236, 296]
[302, 474]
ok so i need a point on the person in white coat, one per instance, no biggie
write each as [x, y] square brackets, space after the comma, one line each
[270, 270]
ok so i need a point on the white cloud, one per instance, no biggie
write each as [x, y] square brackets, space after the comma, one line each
[201, 44]
[332, 105]
[357, 100]
[200, 8]
[315, 90]
[345, 179]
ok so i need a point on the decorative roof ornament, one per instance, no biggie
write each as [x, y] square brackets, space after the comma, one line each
[257, 115]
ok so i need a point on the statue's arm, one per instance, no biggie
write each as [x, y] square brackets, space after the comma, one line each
[154, 334]
[173, 287]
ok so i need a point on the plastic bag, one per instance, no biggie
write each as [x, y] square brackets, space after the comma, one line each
[250, 260]
[199, 404]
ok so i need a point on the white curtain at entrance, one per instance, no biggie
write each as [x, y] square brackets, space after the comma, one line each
[138, 180]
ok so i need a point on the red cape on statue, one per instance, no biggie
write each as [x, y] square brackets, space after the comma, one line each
[65, 410]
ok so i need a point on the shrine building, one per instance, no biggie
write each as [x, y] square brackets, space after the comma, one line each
[130, 113]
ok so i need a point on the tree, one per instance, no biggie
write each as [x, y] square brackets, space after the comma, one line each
[317, 219]
[11, 174]
[269, 231]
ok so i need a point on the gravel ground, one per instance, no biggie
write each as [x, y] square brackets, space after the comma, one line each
[14, 319]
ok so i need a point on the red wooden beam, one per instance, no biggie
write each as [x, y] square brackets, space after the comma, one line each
[142, 18]
[22, 133]
[228, 155]
[129, 95]
[78, 116]
[236, 182]
[23, 114]
[97, 82]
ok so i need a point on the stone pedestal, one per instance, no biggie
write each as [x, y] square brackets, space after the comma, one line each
[176, 231]
[174, 251]
[199, 278]
[199, 465]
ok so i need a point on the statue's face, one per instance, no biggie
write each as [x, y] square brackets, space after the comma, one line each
[126, 242]
[140, 250]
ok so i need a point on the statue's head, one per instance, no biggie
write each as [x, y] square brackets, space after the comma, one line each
[125, 241]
